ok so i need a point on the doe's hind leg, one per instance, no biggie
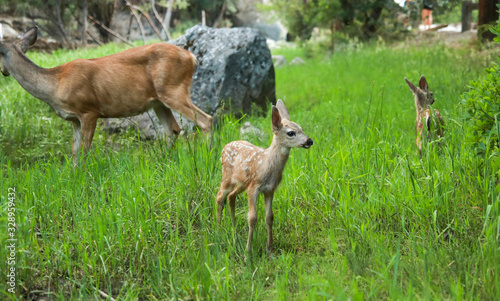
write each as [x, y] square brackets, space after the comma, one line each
[179, 101]
[167, 120]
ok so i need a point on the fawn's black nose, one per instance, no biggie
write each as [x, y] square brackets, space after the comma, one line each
[309, 142]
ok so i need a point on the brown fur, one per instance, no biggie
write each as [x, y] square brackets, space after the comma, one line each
[128, 83]
[257, 170]
[426, 117]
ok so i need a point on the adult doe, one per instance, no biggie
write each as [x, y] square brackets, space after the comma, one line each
[430, 118]
[257, 170]
[128, 83]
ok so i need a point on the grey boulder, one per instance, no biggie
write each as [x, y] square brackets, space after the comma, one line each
[235, 74]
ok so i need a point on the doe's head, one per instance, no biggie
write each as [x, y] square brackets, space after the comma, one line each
[288, 133]
[423, 96]
[10, 47]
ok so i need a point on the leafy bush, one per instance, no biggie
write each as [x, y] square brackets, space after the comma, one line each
[482, 105]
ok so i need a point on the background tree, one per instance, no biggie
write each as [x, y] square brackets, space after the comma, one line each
[488, 15]
[103, 10]
[361, 18]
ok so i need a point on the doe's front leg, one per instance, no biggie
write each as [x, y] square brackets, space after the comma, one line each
[89, 122]
[77, 140]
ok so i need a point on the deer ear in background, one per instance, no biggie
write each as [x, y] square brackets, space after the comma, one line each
[423, 83]
[411, 85]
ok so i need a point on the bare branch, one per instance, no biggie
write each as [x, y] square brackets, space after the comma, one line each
[135, 7]
[118, 36]
[138, 19]
[165, 29]
[96, 39]
[218, 21]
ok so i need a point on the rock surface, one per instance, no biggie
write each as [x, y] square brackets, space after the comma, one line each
[297, 61]
[279, 60]
[248, 131]
[235, 69]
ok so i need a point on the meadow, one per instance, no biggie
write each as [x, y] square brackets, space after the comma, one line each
[359, 216]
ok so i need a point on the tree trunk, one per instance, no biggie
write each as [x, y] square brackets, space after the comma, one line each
[370, 26]
[84, 23]
[467, 8]
[347, 12]
[166, 20]
[103, 11]
[488, 14]
[60, 25]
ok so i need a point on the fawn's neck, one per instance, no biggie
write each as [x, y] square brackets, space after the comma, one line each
[420, 108]
[277, 156]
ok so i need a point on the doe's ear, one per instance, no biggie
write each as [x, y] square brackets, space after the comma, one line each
[276, 118]
[423, 83]
[282, 109]
[28, 39]
[411, 85]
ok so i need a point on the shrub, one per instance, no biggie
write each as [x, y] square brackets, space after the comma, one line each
[482, 111]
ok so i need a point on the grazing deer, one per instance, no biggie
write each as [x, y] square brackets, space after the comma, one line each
[128, 83]
[257, 170]
[431, 117]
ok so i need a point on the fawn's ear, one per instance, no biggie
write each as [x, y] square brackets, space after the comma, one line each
[282, 109]
[28, 39]
[423, 83]
[411, 85]
[276, 119]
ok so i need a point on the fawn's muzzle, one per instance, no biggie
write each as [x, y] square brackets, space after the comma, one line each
[308, 143]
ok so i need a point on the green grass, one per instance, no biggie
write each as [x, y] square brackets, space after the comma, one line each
[358, 216]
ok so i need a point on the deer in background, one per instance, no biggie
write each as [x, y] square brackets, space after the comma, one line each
[128, 83]
[257, 170]
[425, 116]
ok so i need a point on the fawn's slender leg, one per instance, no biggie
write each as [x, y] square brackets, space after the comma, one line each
[221, 200]
[268, 197]
[231, 195]
[232, 203]
[252, 215]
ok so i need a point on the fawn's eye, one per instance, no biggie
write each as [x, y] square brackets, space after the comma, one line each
[291, 134]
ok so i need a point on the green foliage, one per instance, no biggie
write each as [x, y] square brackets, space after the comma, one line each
[302, 16]
[359, 18]
[482, 111]
[482, 103]
[359, 216]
